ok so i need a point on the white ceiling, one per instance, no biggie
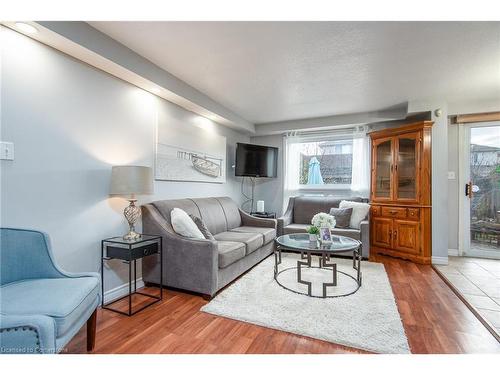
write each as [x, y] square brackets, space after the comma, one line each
[275, 71]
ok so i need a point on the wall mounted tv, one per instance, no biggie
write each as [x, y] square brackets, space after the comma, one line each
[256, 161]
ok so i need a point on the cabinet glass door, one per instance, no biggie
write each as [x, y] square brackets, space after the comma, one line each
[382, 179]
[407, 167]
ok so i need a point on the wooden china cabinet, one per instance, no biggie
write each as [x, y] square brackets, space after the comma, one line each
[400, 217]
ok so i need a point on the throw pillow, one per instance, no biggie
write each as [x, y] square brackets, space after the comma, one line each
[359, 212]
[342, 217]
[202, 227]
[183, 225]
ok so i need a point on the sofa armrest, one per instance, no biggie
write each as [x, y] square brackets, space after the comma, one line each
[252, 221]
[188, 263]
[27, 334]
[287, 217]
[364, 228]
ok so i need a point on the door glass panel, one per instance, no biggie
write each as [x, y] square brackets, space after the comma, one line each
[383, 170]
[407, 168]
[485, 187]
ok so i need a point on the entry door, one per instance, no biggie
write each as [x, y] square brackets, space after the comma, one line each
[480, 185]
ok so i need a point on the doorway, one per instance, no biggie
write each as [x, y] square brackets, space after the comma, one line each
[479, 171]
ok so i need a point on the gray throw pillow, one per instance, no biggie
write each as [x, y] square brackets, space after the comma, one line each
[342, 217]
[202, 227]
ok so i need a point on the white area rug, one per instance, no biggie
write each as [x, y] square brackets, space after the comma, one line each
[368, 319]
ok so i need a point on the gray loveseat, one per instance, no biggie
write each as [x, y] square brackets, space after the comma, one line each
[301, 209]
[206, 266]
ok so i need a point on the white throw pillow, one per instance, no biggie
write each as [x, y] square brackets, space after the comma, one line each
[359, 212]
[184, 225]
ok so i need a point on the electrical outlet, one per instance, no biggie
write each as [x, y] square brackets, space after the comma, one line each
[6, 151]
[451, 175]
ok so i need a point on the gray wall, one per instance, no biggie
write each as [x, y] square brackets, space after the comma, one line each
[270, 190]
[70, 123]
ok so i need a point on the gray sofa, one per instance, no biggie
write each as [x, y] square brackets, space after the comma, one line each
[301, 209]
[206, 266]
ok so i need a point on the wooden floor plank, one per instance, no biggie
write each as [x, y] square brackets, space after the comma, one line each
[434, 318]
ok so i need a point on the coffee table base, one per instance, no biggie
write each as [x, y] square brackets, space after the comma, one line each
[324, 263]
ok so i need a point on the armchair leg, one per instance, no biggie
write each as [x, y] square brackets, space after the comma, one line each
[91, 328]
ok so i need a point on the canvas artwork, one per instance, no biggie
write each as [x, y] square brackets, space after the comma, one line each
[189, 153]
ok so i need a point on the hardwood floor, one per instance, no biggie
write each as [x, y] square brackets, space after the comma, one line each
[435, 321]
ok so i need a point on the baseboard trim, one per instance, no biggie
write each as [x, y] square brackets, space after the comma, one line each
[453, 252]
[120, 291]
[440, 260]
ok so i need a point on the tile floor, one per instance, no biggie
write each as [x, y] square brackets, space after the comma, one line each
[478, 280]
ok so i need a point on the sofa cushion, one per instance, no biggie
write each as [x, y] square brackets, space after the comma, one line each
[359, 212]
[252, 241]
[305, 207]
[302, 228]
[230, 252]
[231, 212]
[347, 232]
[166, 206]
[342, 216]
[212, 214]
[184, 225]
[202, 227]
[295, 228]
[269, 234]
[63, 299]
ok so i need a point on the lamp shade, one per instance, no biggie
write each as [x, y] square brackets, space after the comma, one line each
[131, 180]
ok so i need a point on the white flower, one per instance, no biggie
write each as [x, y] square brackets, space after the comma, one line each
[323, 220]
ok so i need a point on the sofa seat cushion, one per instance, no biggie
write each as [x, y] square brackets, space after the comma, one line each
[295, 228]
[347, 232]
[252, 241]
[63, 299]
[230, 252]
[302, 228]
[269, 234]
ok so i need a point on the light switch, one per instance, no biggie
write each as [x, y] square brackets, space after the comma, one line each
[6, 151]
[451, 175]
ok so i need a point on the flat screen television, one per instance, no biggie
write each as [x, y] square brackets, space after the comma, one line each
[256, 161]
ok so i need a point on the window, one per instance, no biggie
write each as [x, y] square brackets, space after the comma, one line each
[316, 164]
[334, 159]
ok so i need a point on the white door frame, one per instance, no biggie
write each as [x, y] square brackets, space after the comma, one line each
[464, 178]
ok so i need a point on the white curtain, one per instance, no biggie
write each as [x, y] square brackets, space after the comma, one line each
[291, 161]
[360, 184]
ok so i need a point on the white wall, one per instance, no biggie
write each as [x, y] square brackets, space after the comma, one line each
[453, 187]
[70, 123]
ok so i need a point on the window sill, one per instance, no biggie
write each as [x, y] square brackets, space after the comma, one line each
[323, 187]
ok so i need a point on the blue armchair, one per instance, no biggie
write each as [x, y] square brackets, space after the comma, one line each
[41, 306]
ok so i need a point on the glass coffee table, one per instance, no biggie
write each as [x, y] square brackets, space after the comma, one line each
[300, 243]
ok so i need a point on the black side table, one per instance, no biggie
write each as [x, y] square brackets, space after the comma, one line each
[129, 252]
[264, 215]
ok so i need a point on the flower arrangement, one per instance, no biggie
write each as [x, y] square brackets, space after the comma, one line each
[323, 220]
[313, 230]
[320, 220]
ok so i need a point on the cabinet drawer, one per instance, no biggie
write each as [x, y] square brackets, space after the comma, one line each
[413, 214]
[397, 212]
[131, 254]
[376, 210]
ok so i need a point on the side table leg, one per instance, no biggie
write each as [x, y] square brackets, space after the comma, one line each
[102, 273]
[129, 288]
[135, 275]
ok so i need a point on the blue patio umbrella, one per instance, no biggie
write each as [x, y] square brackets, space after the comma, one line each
[314, 173]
